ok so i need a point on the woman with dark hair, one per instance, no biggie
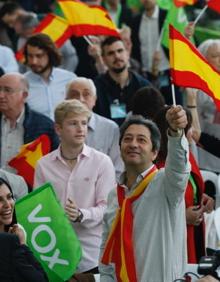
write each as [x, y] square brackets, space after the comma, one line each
[17, 262]
[197, 202]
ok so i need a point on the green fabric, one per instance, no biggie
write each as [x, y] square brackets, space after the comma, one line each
[164, 4]
[177, 18]
[203, 33]
[134, 4]
[49, 233]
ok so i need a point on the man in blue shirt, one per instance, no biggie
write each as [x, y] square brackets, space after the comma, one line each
[47, 82]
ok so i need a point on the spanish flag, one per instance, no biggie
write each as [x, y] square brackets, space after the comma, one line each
[214, 5]
[119, 247]
[181, 3]
[87, 20]
[25, 162]
[190, 69]
[57, 28]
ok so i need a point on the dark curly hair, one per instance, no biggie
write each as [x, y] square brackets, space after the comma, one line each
[44, 42]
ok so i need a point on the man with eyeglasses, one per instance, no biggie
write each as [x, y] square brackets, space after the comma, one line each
[19, 124]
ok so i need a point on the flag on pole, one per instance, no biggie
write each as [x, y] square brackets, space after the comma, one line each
[56, 27]
[177, 18]
[50, 235]
[182, 3]
[214, 5]
[87, 20]
[25, 162]
[190, 69]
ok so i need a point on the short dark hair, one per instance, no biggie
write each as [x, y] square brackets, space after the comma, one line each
[109, 41]
[149, 124]
[147, 101]
[9, 8]
[44, 42]
[14, 220]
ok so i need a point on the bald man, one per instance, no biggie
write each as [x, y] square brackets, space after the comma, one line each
[19, 124]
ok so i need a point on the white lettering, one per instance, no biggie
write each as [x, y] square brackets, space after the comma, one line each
[50, 232]
[32, 216]
[54, 259]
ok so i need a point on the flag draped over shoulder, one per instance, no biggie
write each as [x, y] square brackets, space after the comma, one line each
[119, 247]
[190, 69]
[181, 3]
[50, 235]
[214, 5]
[25, 162]
[87, 20]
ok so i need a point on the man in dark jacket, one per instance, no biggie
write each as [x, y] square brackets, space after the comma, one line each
[117, 86]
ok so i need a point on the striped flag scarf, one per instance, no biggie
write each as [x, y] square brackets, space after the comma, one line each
[119, 245]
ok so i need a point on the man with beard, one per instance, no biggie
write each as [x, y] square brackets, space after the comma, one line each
[116, 87]
[47, 82]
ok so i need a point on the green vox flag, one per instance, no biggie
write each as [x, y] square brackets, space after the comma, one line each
[50, 235]
[164, 4]
[176, 17]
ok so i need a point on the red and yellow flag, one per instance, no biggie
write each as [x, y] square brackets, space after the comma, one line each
[182, 3]
[190, 69]
[87, 20]
[214, 5]
[57, 28]
[25, 162]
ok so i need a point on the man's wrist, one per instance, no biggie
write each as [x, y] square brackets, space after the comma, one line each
[79, 217]
[175, 132]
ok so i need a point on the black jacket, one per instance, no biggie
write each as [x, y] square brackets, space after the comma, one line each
[17, 263]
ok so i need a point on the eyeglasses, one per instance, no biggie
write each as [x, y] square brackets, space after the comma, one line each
[8, 90]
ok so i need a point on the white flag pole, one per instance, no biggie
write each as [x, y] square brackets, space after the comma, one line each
[200, 15]
[88, 40]
[173, 94]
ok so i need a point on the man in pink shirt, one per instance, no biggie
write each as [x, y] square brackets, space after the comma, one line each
[82, 178]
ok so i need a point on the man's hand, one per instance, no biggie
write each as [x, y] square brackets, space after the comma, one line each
[194, 215]
[72, 210]
[189, 30]
[208, 203]
[176, 118]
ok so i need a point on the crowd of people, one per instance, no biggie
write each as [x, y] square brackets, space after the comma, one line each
[125, 161]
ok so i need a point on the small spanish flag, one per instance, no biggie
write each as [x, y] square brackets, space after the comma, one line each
[182, 3]
[190, 69]
[25, 162]
[87, 20]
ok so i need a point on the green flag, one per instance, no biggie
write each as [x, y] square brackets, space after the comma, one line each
[177, 18]
[164, 4]
[50, 235]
